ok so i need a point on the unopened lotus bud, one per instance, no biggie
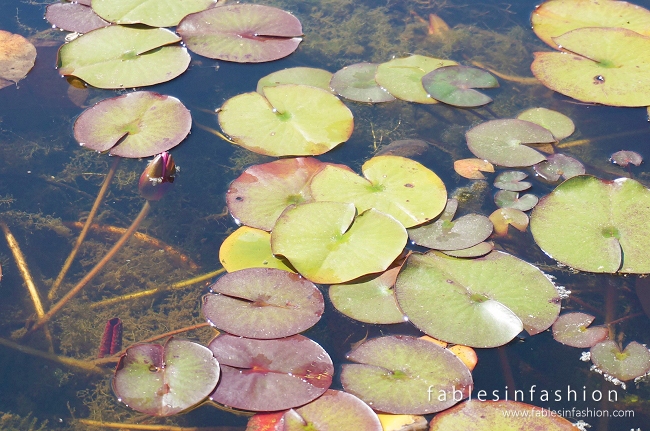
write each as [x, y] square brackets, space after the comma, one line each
[158, 176]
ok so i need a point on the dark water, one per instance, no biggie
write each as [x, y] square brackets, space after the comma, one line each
[46, 180]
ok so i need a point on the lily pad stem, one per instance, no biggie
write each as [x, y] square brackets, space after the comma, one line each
[155, 427]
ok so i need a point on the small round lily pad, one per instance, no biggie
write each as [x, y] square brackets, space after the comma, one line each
[559, 165]
[625, 365]
[472, 168]
[248, 247]
[357, 83]
[454, 85]
[573, 330]
[557, 123]
[512, 181]
[509, 199]
[624, 158]
[504, 217]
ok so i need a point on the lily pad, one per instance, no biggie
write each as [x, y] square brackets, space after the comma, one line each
[454, 85]
[508, 199]
[165, 380]
[260, 194]
[400, 187]
[596, 225]
[556, 17]
[243, 33]
[404, 148]
[472, 168]
[504, 217]
[263, 303]
[357, 83]
[559, 165]
[406, 375]
[482, 302]
[139, 124]
[333, 411]
[610, 66]
[501, 415]
[573, 330]
[625, 365]
[402, 77]
[124, 57]
[624, 158]
[319, 78]
[502, 142]
[474, 251]
[17, 56]
[557, 123]
[270, 375]
[248, 247]
[155, 13]
[512, 181]
[370, 299]
[287, 120]
[74, 17]
[327, 244]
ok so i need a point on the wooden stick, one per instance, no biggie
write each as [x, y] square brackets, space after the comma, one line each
[93, 211]
[93, 272]
[125, 426]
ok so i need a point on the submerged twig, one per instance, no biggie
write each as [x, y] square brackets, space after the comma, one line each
[513, 78]
[125, 426]
[215, 132]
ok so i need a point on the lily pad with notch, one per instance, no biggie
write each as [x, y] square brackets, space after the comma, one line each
[270, 375]
[504, 217]
[512, 181]
[573, 330]
[510, 199]
[242, 33]
[559, 165]
[632, 362]
[472, 168]
[454, 85]
[557, 123]
[155, 13]
[248, 247]
[357, 83]
[139, 124]
[74, 16]
[625, 158]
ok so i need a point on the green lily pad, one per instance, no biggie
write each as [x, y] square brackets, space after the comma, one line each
[573, 330]
[454, 85]
[400, 187]
[74, 16]
[596, 225]
[610, 66]
[625, 365]
[482, 302]
[263, 303]
[260, 194]
[357, 83]
[556, 17]
[474, 251]
[557, 123]
[370, 299]
[332, 411]
[559, 165]
[165, 380]
[502, 142]
[406, 375]
[327, 244]
[17, 57]
[512, 181]
[402, 77]
[124, 57]
[248, 247]
[508, 199]
[243, 33]
[289, 119]
[501, 415]
[624, 158]
[313, 77]
[155, 13]
[133, 125]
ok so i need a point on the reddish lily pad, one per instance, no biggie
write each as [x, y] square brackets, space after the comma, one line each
[74, 16]
[454, 85]
[270, 375]
[508, 199]
[155, 13]
[165, 380]
[503, 142]
[406, 375]
[573, 330]
[512, 180]
[504, 217]
[313, 77]
[243, 33]
[139, 124]
[625, 365]
[624, 158]
[248, 247]
[263, 303]
[357, 83]
[472, 168]
[17, 56]
[333, 411]
[559, 165]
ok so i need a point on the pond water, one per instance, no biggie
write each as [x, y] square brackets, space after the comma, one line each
[48, 182]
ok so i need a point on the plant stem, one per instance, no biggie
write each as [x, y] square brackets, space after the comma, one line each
[125, 426]
[93, 272]
[93, 211]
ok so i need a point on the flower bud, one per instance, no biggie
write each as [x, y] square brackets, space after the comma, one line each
[158, 176]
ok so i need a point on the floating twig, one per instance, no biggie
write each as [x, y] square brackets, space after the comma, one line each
[125, 426]
[514, 78]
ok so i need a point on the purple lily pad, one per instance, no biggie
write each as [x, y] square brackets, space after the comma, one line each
[165, 380]
[74, 16]
[572, 329]
[405, 375]
[629, 364]
[357, 83]
[263, 303]
[512, 181]
[139, 124]
[454, 85]
[508, 199]
[243, 33]
[270, 375]
[333, 411]
[624, 158]
[559, 165]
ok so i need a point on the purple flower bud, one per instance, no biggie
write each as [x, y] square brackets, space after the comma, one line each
[158, 176]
